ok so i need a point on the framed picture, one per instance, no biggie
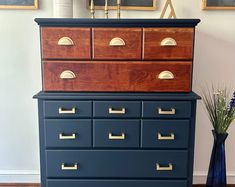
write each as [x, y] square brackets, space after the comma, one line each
[218, 4]
[126, 4]
[18, 4]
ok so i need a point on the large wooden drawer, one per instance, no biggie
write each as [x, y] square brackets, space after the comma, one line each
[116, 163]
[116, 133]
[117, 43]
[168, 43]
[66, 43]
[115, 183]
[117, 76]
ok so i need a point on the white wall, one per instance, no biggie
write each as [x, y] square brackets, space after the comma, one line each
[20, 80]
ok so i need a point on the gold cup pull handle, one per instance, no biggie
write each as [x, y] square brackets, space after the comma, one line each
[67, 137]
[167, 168]
[73, 167]
[121, 137]
[166, 112]
[65, 41]
[113, 111]
[67, 111]
[166, 75]
[168, 42]
[117, 42]
[67, 74]
[171, 137]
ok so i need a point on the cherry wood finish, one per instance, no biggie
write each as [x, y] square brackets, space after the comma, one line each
[102, 37]
[117, 76]
[80, 36]
[152, 49]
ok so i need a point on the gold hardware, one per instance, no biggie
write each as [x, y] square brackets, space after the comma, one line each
[106, 9]
[117, 42]
[92, 9]
[168, 42]
[65, 137]
[160, 137]
[121, 137]
[63, 111]
[160, 168]
[65, 41]
[118, 9]
[166, 75]
[64, 167]
[112, 111]
[67, 74]
[166, 112]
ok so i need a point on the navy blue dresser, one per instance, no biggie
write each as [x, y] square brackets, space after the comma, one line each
[117, 107]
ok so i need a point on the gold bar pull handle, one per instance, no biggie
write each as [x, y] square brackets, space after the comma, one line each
[73, 167]
[160, 137]
[167, 168]
[117, 42]
[112, 111]
[121, 137]
[166, 112]
[168, 42]
[65, 41]
[67, 137]
[166, 75]
[65, 111]
[67, 74]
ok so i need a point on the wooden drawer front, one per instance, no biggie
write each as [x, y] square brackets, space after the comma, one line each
[116, 164]
[116, 109]
[66, 43]
[117, 43]
[168, 43]
[165, 133]
[116, 133]
[67, 109]
[118, 76]
[68, 133]
[116, 183]
[166, 109]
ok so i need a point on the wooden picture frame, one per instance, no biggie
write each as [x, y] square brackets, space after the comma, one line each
[218, 4]
[150, 5]
[19, 4]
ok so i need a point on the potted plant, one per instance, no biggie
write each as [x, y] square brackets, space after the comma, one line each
[221, 112]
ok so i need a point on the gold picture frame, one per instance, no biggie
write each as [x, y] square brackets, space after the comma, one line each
[7, 4]
[220, 6]
[153, 7]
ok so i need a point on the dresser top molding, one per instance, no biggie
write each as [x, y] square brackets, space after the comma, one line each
[117, 96]
[63, 22]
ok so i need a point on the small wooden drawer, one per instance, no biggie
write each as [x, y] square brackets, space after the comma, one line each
[116, 109]
[116, 43]
[67, 109]
[116, 183]
[66, 43]
[67, 133]
[168, 43]
[165, 133]
[116, 133]
[117, 164]
[166, 109]
[116, 76]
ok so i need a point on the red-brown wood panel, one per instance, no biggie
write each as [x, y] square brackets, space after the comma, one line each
[117, 76]
[156, 48]
[131, 49]
[80, 49]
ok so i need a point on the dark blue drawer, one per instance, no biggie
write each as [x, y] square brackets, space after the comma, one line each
[167, 109]
[116, 133]
[68, 109]
[165, 133]
[116, 183]
[117, 109]
[116, 163]
[68, 133]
